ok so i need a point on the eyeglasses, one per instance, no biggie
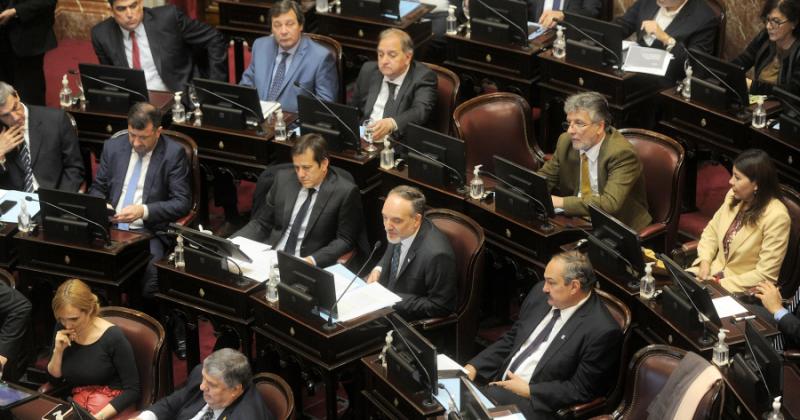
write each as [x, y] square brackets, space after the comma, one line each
[774, 22]
[580, 125]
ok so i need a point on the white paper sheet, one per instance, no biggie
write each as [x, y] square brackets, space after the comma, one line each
[728, 306]
[263, 259]
[444, 362]
[361, 298]
[647, 60]
[13, 195]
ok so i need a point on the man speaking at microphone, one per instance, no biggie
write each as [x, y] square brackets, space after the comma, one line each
[314, 213]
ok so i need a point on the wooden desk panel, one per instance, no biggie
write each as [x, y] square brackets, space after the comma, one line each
[386, 400]
[95, 126]
[785, 152]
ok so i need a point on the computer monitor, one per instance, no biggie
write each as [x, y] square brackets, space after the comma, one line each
[587, 52]
[228, 106]
[373, 9]
[62, 226]
[708, 90]
[112, 89]
[614, 247]
[526, 197]
[439, 149]
[216, 244]
[304, 289]
[403, 367]
[758, 371]
[790, 112]
[314, 118]
[502, 22]
[207, 255]
[689, 302]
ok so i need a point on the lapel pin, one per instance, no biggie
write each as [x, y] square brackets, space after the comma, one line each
[563, 336]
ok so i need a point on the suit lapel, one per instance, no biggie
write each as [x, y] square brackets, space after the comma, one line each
[288, 205]
[323, 195]
[271, 51]
[374, 90]
[34, 134]
[296, 62]
[741, 236]
[119, 44]
[529, 326]
[404, 88]
[412, 250]
[122, 169]
[602, 156]
[563, 335]
[152, 168]
[152, 39]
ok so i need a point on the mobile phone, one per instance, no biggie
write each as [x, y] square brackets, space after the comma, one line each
[7, 205]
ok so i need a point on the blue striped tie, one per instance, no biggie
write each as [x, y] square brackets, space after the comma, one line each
[25, 157]
[131, 190]
[277, 81]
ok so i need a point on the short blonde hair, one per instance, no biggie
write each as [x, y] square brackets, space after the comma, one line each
[77, 294]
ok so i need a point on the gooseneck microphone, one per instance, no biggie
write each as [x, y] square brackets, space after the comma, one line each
[224, 259]
[330, 325]
[462, 189]
[258, 115]
[429, 401]
[742, 111]
[523, 31]
[618, 71]
[107, 83]
[106, 235]
[545, 219]
[316, 97]
[633, 284]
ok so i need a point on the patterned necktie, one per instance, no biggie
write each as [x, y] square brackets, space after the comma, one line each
[291, 241]
[586, 184]
[135, 58]
[277, 81]
[390, 104]
[133, 183]
[208, 415]
[394, 269]
[25, 159]
[538, 341]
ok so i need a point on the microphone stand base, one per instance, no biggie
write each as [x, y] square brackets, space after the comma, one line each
[328, 327]
[429, 402]
[633, 284]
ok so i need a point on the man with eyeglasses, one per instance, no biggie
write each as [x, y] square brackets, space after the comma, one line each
[594, 164]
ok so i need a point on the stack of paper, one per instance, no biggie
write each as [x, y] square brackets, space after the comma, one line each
[647, 60]
[269, 107]
[361, 298]
[728, 306]
[261, 254]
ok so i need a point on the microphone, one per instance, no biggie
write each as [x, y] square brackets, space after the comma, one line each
[421, 367]
[462, 189]
[316, 97]
[225, 261]
[546, 225]
[633, 284]
[453, 413]
[742, 111]
[258, 115]
[494, 11]
[106, 235]
[107, 83]
[618, 71]
[330, 325]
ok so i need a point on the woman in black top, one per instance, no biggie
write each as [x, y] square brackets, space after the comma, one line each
[774, 54]
[91, 354]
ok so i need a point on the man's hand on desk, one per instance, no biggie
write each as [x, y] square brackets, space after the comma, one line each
[770, 296]
[558, 202]
[514, 384]
[129, 214]
[382, 128]
[374, 276]
[472, 373]
[550, 18]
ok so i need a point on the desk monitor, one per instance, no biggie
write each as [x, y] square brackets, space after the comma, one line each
[472, 408]
[518, 202]
[614, 247]
[507, 23]
[582, 50]
[62, 226]
[790, 112]
[689, 304]
[304, 288]
[758, 371]
[228, 106]
[216, 244]
[101, 95]
[439, 148]
[708, 90]
[207, 254]
[314, 118]
[403, 368]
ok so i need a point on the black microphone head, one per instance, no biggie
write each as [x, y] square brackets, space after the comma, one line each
[28, 198]
[296, 83]
[441, 386]
[377, 245]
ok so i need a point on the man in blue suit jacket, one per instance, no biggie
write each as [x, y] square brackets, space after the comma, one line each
[149, 188]
[287, 56]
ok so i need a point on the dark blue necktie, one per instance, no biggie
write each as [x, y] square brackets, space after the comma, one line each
[556, 4]
[538, 341]
[395, 266]
[388, 108]
[291, 241]
[277, 81]
[25, 159]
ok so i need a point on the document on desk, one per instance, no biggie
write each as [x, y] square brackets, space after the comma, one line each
[728, 306]
[453, 386]
[13, 195]
[647, 60]
[262, 255]
[269, 107]
[361, 298]
[445, 363]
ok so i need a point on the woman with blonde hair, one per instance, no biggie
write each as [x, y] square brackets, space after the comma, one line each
[92, 355]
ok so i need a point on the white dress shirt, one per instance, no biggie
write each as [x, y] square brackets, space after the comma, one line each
[663, 19]
[27, 138]
[146, 59]
[548, 5]
[301, 197]
[149, 415]
[139, 193]
[383, 95]
[592, 154]
[405, 244]
[528, 366]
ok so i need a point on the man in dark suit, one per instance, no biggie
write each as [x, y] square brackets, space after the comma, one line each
[220, 388]
[163, 42]
[15, 320]
[26, 33]
[395, 91]
[38, 146]
[419, 262]
[788, 322]
[144, 176]
[313, 213]
[549, 12]
[561, 351]
[287, 56]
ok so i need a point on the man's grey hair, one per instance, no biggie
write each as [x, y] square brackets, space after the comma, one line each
[229, 365]
[6, 90]
[405, 40]
[577, 267]
[412, 194]
[593, 103]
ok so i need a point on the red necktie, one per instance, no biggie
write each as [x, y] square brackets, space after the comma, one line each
[137, 63]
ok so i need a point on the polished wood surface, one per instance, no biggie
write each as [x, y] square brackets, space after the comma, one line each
[248, 19]
[95, 126]
[8, 251]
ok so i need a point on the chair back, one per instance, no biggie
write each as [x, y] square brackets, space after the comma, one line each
[467, 239]
[239, 55]
[8, 278]
[649, 371]
[276, 394]
[622, 314]
[146, 336]
[190, 148]
[447, 90]
[497, 124]
[789, 278]
[662, 161]
[719, 10]
[336, 49]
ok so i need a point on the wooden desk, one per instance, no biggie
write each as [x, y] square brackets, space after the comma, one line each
[329, 352]
[741, 408]
[37, 407]
[384, 400]
[8, 250]
[785, 152]
[627, 93]
[193, 295]
[510, 68]
[248, 19]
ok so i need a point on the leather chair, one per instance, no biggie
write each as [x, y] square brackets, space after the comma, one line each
[447, 90]
[622, 314]
[239, 55]
[190, 148]
[277, 395]
[663, 164]
[467, 239]
[336, 49]
[647, 374]
[497, 124]
[719, 9]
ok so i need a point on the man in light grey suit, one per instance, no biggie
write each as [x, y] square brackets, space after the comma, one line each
[287, 56]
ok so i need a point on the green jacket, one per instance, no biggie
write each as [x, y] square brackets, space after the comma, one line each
[619, 177]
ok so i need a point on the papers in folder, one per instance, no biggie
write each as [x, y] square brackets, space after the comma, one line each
[12, 195]
[263, 259]
[268, 107]
[647, 60]
[728, 306]
[361, 299]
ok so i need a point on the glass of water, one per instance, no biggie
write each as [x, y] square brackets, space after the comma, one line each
[368, 135]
